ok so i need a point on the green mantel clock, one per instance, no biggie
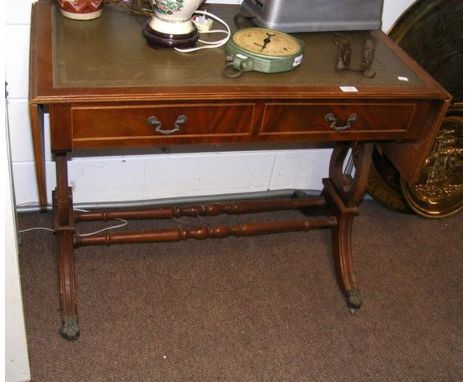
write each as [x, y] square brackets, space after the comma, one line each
[263, 50]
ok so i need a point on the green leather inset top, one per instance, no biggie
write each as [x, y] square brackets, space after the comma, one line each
[111, 52]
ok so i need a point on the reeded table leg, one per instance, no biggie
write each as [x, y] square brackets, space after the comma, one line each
[344, 192]
[65, 229]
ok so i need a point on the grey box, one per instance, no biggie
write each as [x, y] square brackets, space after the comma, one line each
[315, 15]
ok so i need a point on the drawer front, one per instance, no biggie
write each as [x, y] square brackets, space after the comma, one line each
[337, 121]
[134, 125]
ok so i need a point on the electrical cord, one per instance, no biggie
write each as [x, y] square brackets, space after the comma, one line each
[123, 224]
[210, 44]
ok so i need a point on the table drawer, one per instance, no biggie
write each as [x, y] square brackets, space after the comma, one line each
[147, 124]
[332, 120]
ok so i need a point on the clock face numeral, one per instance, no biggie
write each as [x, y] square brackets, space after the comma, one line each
[267, 42]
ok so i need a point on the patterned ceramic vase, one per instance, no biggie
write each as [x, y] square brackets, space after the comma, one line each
[174, 16]
[81, 9]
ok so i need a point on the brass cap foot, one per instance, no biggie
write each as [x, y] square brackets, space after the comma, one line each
[354, 299]
[70, 329]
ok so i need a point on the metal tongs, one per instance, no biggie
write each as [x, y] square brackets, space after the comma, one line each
[343, 57]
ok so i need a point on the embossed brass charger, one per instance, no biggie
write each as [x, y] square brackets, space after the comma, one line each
[383, 183]
[431, 31]
[439, 192]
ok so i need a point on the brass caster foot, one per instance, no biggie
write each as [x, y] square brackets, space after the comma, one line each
[70, 329]
[354, 300]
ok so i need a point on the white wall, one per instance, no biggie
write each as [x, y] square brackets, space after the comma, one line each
[15, 361]
[158, 176]
[16, 354]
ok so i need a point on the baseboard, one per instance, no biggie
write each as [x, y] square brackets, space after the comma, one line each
[180, 200]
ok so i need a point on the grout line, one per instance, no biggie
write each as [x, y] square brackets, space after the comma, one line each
[272, 171]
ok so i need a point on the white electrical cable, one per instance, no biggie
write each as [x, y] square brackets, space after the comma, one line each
[209, 44]
[123, 224]
[36, 229]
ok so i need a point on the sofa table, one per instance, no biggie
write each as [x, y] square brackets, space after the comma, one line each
[104, 88]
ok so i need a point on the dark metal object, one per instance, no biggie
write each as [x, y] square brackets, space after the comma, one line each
[230, 72]
[330, 117]
[368, 53]
[153, 122]
[344, 52]
[70, 329]
[156, 123]
[431, 32]
[343, 56]
[354, 300]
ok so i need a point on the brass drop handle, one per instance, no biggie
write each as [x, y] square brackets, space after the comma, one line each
[156, 123]
[330, 118]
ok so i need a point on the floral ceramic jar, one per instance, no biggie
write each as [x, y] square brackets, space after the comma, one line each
[81, 9]
[174, 17]
[171, 24]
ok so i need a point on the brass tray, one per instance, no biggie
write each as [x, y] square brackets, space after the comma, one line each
[383, 183]
[439, 191]
[431, 31]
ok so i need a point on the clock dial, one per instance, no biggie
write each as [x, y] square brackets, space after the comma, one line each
[263, 50]
[267, 42]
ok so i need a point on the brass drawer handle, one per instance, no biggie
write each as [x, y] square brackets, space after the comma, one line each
[156, 123]
[330, 118]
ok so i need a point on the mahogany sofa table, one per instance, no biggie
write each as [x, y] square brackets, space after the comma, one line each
[106, 89]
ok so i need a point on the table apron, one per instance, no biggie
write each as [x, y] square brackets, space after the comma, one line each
[127, 125]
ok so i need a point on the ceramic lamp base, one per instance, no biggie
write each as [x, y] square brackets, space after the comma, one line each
[157, 39]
